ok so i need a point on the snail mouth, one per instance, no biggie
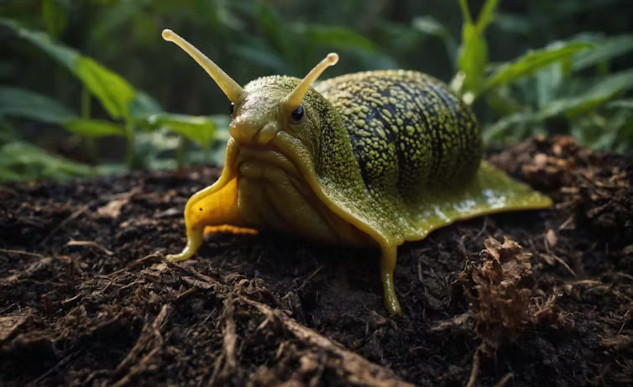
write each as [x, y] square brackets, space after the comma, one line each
[275, 148]
[248, 135]
[250, 161]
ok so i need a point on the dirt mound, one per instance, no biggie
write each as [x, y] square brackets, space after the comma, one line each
[87, 298]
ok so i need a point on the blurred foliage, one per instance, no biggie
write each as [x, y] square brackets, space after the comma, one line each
[92, 81]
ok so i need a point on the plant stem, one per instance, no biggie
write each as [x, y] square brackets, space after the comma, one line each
[180, 151]
[205, 153]
[465, 11]
[85, 114]
[130, 156]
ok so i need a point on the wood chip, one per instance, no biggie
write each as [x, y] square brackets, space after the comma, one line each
[550, 238]
[9, 324]
[89, 244]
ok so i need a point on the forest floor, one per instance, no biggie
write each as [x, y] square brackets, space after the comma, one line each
[87, 298]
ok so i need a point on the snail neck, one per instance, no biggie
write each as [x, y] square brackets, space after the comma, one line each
[272, 194]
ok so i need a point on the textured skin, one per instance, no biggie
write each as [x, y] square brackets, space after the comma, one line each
[393, 153]
[406, 129]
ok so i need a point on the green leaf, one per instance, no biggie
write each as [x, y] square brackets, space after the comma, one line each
[473, 53]
[20, 161]
[600, 93]
[198, 129]
[605, 50]
[27, 104]
[429, 25]
[550, 80]
[502, 101]
[463, 4]
[486, 16]
[144, 105]
[335, 36]
[473, 57]
[513, 128]
[54, 15]
[621, 104]
[532, 61]
[94, 128]
[114, 92]
[64, 55]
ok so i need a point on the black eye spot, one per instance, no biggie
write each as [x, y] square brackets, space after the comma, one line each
[232, 108]
[297, 114]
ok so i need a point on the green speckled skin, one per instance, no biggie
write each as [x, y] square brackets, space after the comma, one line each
[402, 156]
[407, 131]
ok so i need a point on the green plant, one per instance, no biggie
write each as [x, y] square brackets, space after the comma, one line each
[529, 93]
[21, 161]
[563, 98]
[129, 108]
[577, 86]
[472, 79]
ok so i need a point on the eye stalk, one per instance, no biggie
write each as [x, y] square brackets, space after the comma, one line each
[297, 114]
[230, 88]
[294, 99]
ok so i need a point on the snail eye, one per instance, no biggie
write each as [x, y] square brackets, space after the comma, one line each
[232, 108]
[297, 114]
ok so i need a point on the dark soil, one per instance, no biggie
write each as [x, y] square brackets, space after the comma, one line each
[86, 297]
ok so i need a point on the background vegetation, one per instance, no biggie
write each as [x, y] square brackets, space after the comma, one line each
[90, 87]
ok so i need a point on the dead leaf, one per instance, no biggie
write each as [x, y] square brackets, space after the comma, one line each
[113, 208]
[503, 303]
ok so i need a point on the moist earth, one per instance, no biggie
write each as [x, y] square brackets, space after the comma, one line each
[524, 298]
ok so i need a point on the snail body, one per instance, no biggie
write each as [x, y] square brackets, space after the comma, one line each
[375, 158]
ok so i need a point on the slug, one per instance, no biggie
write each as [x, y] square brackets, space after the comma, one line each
[374, 158]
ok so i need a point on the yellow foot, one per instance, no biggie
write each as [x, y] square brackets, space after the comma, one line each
[194, 240]
[387, 264]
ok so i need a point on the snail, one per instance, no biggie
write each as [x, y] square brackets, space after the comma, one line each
[375, 158]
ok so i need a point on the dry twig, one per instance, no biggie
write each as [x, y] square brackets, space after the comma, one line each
[150, 337]
[358, 370]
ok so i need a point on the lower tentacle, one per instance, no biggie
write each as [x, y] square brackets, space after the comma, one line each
[194, 240]
[387, 265]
